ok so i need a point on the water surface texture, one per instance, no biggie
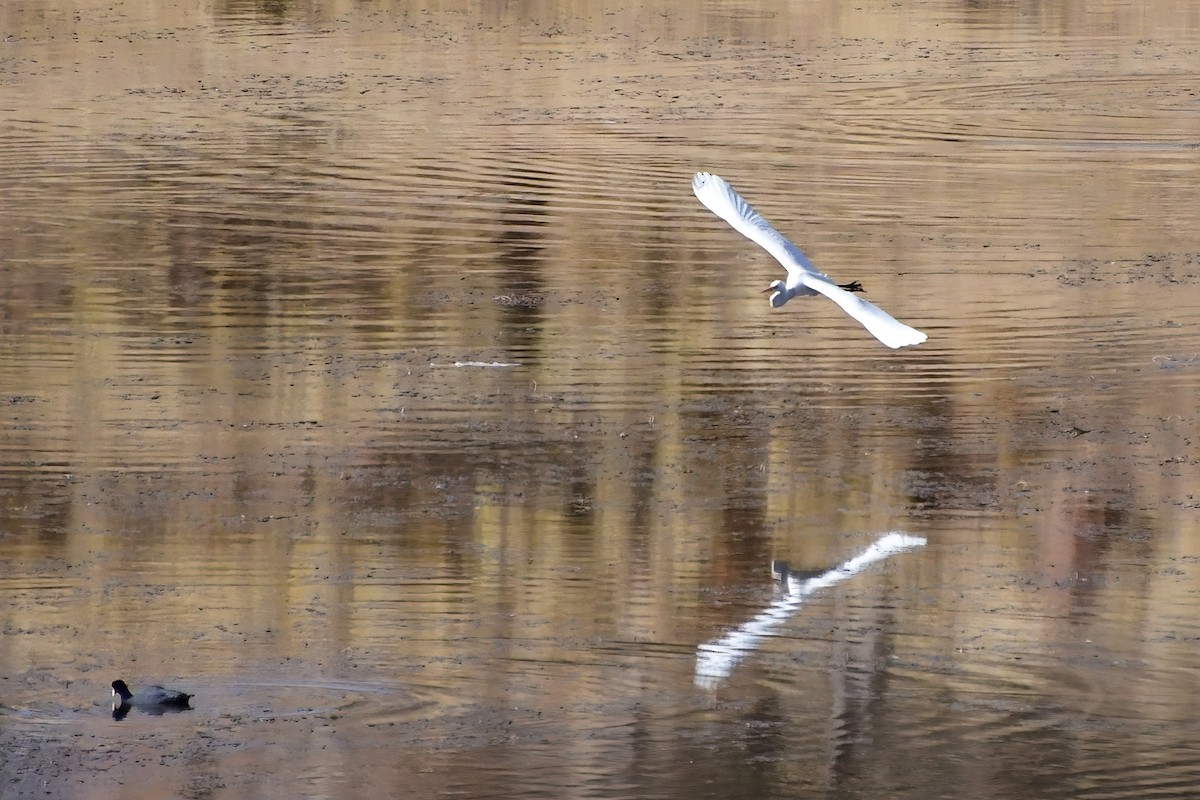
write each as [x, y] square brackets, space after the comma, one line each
[369, 371]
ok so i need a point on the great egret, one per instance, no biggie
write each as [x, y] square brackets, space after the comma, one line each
[803, 279]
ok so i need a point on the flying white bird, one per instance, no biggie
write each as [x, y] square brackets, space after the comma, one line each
[803, 279]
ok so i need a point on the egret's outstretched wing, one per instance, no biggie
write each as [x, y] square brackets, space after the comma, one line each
[722, 200]
[882, 325]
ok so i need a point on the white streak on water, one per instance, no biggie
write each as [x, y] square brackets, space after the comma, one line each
[716, 659]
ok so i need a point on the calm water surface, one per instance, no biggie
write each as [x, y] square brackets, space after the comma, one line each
[371, 372]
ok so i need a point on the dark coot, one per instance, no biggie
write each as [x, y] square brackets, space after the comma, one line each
[152, 699]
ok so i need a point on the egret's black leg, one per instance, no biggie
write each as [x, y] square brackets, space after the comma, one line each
[853, 286]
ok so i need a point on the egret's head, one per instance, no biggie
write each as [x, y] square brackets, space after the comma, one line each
[779, 295]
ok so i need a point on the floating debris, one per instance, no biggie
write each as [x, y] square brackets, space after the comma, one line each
[523, 300]
[1175, 362]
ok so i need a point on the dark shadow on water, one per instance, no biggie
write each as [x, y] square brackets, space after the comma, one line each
[121, 710]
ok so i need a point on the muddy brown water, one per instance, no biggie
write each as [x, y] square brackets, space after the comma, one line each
[370, 372]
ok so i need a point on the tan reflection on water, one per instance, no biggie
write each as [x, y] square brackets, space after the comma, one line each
[372, 373]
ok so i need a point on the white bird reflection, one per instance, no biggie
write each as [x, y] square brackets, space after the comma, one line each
[716, 659]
